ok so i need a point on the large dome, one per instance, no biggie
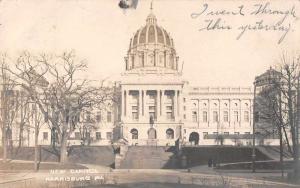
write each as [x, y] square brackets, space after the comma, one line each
[151, 33]
[151, 47]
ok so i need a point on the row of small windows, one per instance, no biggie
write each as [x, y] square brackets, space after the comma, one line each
[135, 134]
[215, 104]
[98, 117]
[205, 134]
[78, 135]
[216, 116]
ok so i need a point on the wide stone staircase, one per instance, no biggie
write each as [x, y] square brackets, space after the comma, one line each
[273, 152]
[147, 157]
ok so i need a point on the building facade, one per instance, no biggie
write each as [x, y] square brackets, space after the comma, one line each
[157, 106]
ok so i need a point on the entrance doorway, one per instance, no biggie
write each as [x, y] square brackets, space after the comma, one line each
[151, 133]
[194, 138]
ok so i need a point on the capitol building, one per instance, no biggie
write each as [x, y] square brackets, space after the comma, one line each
[158, 107]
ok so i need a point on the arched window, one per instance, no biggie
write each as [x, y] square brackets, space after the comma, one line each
[134, 134]
[170, 134]
[194, 116]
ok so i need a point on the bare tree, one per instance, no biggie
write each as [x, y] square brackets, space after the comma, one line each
[9, 107]
[54, 84]
[290, 89]
[279, 106]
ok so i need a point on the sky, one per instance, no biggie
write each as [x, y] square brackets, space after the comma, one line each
[99, 31]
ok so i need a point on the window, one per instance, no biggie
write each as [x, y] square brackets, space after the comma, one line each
[152, 97]
[246, 116]
[236, 116]
[135, 113]
[135, 116]
[169, 108]
[98, 135]
[225, 116]
[169, 115]
[134, 134]
[169, 97]
[108, 136]
[236, 133]
[170, 134]
[215, 116]
[152, 114]
[77, 135]
[194, 116]
[135, 98]
[108, 116]
[184, 116]
[184, 108]
[247, 132]
[205, 135]
[45, 135]
[215, 133]
[151, 108]
[226, 133]
[204, 116]
[98, 117]
[183, 99]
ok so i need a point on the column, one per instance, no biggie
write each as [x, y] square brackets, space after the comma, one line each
[179, 104]
[124, 102]
[143, 102]
[240, 120]
[158, 104]
[175, 104]
[208, 111]
[162, 106]
[127, 107]
[140, 105]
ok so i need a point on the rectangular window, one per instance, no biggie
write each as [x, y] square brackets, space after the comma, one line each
[246, 116]
[45, 135]
[184, 108]
[135, 98]
[98, 135]
[169, 97]
[184, 116]
[151, 108]
[204, 116]
[134, 108]
[169, 115]
[215, 116]
[236, 116]
[226, 133]
[236, 133]
[225, 116]
[194, 116]
[169, 108]
[108, 116]
[205, 135]
[108, 136]
[77, 135]
[135, 116]
[152, 114]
